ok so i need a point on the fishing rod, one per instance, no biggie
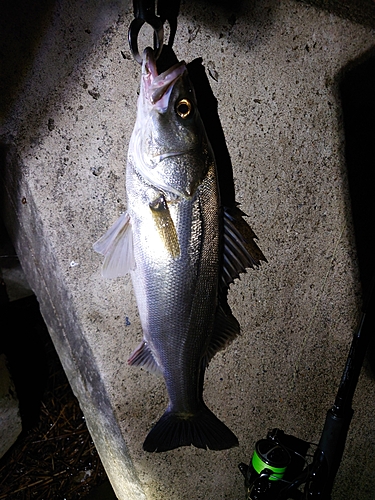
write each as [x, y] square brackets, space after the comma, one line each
[279, 469]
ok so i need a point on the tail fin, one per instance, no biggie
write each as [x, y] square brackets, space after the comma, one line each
[202, 430]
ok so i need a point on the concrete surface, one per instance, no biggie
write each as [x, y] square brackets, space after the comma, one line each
[10, 419]
[67, 116]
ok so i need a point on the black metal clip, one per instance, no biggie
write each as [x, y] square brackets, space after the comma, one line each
[154, 13]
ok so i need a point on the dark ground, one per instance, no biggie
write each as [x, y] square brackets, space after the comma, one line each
[54, 457]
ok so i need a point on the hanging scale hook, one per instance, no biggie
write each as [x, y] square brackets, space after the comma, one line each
[154, 13]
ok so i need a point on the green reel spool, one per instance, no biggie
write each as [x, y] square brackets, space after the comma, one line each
[270, 455]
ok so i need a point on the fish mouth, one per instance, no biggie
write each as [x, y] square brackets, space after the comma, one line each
[157, 87]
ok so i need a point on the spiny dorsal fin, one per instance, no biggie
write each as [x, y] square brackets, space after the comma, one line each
[239, 248]
[239, 253]
[117, 247]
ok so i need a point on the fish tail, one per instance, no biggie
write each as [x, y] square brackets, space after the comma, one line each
[202, 430]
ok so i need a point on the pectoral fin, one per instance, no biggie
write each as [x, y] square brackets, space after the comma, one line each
[117, 247]
[165, 226]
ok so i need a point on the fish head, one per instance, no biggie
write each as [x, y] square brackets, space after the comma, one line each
[170, 148]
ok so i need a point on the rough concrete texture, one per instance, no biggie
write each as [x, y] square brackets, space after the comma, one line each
[10, 420]
[66, 128]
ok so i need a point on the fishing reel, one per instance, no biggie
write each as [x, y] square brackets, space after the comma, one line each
[277, 468]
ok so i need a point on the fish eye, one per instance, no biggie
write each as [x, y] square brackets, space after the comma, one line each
[183, 108]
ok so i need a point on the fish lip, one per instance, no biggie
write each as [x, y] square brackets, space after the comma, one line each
[157, 87]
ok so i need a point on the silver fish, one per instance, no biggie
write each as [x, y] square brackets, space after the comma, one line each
[183, 250]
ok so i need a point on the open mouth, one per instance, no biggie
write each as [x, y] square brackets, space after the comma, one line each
[159, 87]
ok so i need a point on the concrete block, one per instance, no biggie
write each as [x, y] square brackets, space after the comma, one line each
[66, 128]
[10, 420]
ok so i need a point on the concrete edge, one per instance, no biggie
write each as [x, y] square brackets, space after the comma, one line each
[65, 330]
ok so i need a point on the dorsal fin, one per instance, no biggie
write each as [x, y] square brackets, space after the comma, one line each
[239, 253]
[239, 248]
[226, 328]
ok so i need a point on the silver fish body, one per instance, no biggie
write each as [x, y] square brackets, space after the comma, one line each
[182, 250]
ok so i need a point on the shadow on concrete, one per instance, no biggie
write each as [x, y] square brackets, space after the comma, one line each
[41, 43]
[208, 109]
[357, 11]
[21, 26]
[357, 91]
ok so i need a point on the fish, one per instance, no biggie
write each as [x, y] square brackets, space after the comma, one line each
[183, 250]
